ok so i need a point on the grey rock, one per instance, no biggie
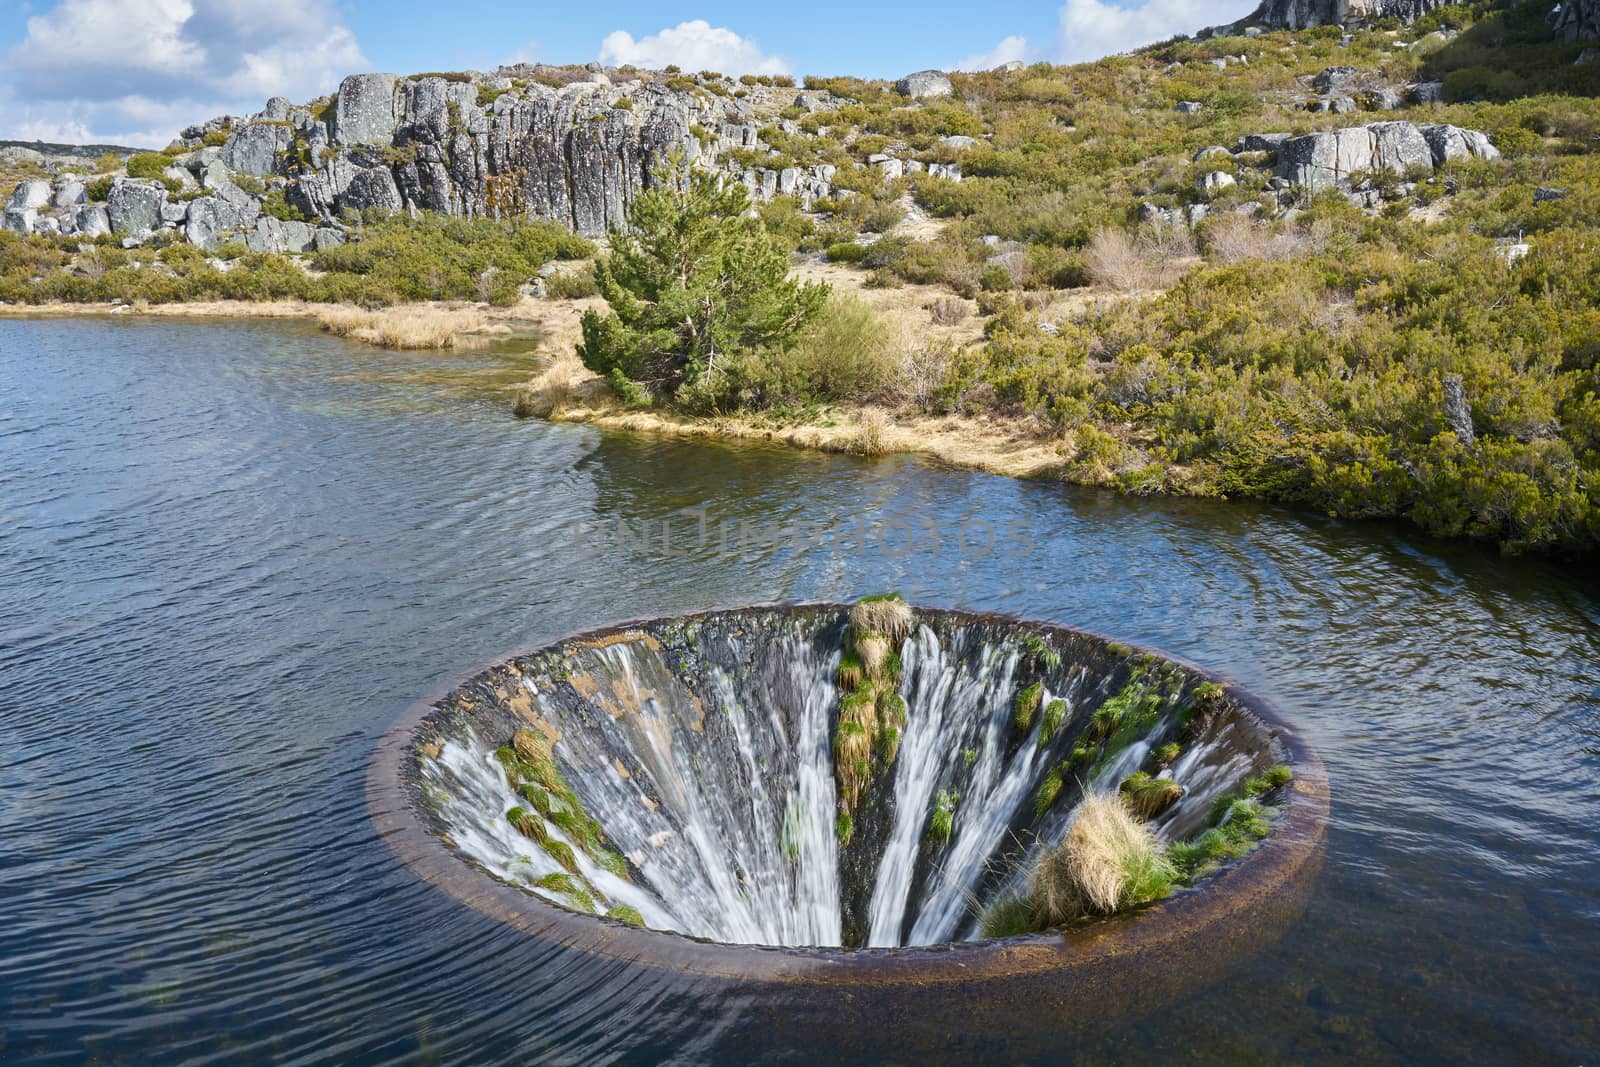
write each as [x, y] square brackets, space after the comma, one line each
[1149, 212]
[1576, 20]
[1452, 142]
[134, 206]
[48, 225]
[71, 193]
[277, 110]
[1215, 183]
[325, 237]
[1252, 31]
[1457, 412]
[1544, 195]
[1263, 142]
[215, 174]
[1187, 107]
[1399, 147]
[366, 111]
[1194, 214]
[30, 195]
[257, 148]
[1323, 160]
[1303, 14]
[181, 177]
[209, 218]
[1010, 66]
[1215, 151]
[1588, 55]
[1427, 92]
[1335, 79]
[950, 172]
[1384, 99]
[959, 141]
[1343, 105]
[174, 212]
[925, 85]
[372, 188]
[18, 220]
[92, 220]
[280, 235]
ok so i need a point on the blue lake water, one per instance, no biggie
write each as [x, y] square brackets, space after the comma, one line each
[231, 553]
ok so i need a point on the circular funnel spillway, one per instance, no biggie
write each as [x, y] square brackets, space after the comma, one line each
[836, 778]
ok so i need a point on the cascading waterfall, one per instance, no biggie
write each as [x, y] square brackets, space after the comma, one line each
[683, 771]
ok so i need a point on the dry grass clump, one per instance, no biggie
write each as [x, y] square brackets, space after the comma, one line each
[1153, 259]
[1110, 861]
[874, 653]
[416, 327]
[890, 617]
[554, 389]
[949, 311]
[1233, 238]
[872, 426]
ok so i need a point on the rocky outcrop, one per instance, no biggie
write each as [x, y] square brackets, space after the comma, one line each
[1326, 160]
[1300, 14]
[1577, 20]
[497, 146]
[134, 206]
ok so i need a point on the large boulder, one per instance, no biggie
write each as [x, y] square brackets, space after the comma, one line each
[366, 110]
[372, 188]
[71, 193]
[209, 221]
[1399, 147]
[925, 85]
[280, 235]
[1335, 79]
[1324, 160]
[1447, 143]
[1215, 183]
[18, 220]
[134, 206]
[30, 195]
[257, 147]
[92, 220]
[1577, 20]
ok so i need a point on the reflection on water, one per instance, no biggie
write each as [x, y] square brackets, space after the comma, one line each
[233, 552]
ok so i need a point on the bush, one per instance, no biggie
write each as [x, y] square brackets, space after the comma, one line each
[846, 252]
[571, 285]
[151, 165]
[695, 287]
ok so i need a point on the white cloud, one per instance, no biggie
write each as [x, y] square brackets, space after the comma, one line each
[528, 53]
[693, 46]
[137, 71]
[1009, 50]
[1091, 29]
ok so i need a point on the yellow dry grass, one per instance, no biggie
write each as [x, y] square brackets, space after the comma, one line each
[1092, 870]
[416, 326]
[891, 618]
[874, 652]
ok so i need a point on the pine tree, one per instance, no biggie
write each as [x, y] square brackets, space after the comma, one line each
[693, 284]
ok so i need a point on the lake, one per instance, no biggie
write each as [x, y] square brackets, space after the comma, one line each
[231, 553]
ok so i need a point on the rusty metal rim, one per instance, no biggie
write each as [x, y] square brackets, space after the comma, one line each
[1286, 860]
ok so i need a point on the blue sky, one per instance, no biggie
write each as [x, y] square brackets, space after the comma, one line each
[135, 71]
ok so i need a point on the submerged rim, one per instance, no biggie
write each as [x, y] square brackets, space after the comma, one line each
[1229, 909]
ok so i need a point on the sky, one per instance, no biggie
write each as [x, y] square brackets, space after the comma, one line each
[135, 72]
